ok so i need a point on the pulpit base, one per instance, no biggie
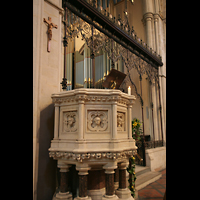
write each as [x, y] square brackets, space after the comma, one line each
[63, 196]
[124, 194]
[110, 197]
[83, 198]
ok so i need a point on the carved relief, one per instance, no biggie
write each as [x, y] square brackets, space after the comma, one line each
[97, 120]
[70, 121]
[86, 156]
[120, 121]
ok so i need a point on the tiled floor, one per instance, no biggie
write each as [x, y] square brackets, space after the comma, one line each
[155, 190]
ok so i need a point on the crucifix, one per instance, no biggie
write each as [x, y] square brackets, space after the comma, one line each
[50, 26]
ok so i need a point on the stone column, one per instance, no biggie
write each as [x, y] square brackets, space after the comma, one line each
[83, 172]
[147, 19]
[155, 116]
[81, 118]
[110, 189]
[156, 17]
[116, 178]
[114, 120]
[64, 193]
[129, 121]
[56, 121]
[123, 192]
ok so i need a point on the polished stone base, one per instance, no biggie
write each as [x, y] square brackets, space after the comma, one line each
[97, 194]
[83, 198]
[110, 197]
[124, 194]
[63, 196]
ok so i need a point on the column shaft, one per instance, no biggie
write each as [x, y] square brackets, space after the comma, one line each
[110, 184]
[122, 178]
[63, 181]
[81, 111]
[114, 109]
[56, 121]
[129, 121]
[83, 185]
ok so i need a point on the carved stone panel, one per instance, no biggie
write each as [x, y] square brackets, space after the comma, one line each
[97, 120]
[120, 121]
[70, 121]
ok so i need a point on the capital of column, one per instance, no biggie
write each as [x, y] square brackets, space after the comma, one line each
[83, 169]
[64, 167]
[156, 17]
[148, 16]
[56, 104]
[123, 165]
[110, 167]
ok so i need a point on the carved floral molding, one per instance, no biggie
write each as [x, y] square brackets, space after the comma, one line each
[88, 156]
[88, 98]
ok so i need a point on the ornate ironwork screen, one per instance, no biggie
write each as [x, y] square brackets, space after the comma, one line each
[106, 42]
[98, 41]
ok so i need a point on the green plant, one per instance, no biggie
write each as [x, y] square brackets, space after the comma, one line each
[132, 176]
[136, 129]
[136, 132]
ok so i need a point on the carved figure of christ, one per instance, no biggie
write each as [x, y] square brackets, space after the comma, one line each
[50, 26]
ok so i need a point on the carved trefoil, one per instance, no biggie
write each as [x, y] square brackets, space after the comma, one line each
[97, 120]
[120, 121]
[70, 121]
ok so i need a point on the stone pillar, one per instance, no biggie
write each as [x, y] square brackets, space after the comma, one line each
[114, 119]
[64, 193]
[129, 121]
[155, 116]
[123, 192]
[122, 176]
[147, 19]
[116, 178]
[81, 119]
[83, 172]
[156, 17]
[110, 189]
[56, 121]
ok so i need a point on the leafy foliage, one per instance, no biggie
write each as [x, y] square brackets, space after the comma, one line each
[136, 129]
[136, 132]
[132, 176]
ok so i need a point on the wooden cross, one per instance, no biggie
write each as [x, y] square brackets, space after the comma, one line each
[50, 26]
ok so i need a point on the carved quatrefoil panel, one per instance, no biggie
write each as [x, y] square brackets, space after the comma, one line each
[70, 121]
[97, 120]
[120, 121]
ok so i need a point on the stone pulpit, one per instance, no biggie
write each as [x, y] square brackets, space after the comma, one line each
[93, 131]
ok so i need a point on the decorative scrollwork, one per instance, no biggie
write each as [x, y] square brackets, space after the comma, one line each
[80, 157]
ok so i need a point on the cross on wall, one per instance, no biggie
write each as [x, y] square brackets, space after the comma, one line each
[50, 26]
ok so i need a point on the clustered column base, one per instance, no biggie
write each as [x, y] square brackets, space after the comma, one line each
[109, 170]
[83, 181]
[123, 192]
[83, 198]
[63, 194]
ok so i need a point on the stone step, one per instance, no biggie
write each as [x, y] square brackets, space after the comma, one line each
[141, 170]
[146, 178]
